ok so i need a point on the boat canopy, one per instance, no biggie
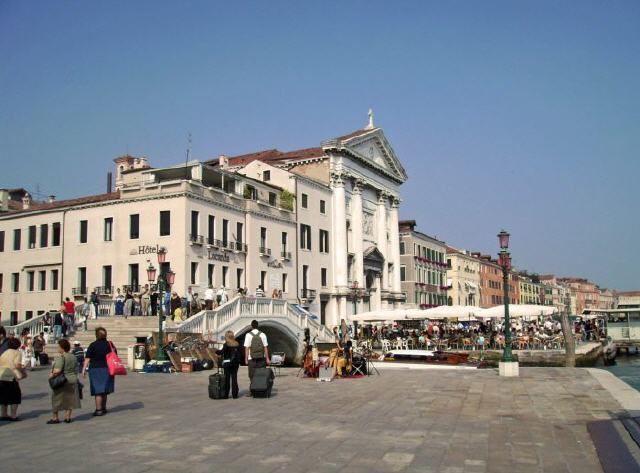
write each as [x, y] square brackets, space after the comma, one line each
[518, 310]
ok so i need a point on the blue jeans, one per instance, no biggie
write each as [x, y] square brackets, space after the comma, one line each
[57, 332]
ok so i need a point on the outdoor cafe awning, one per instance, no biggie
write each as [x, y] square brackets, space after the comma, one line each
[380, 316]
[517, 310]
[460, 312]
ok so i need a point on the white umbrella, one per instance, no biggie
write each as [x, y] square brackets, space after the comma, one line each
[460, 312]
[518, 310]
[380, 316]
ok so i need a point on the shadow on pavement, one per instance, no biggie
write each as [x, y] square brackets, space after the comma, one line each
[119, 408]
[30, 397]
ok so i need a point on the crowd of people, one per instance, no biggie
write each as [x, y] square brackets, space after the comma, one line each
[20, 354]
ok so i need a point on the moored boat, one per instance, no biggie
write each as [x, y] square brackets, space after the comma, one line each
[427, 356]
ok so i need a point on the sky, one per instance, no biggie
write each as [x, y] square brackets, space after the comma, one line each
[516, 115]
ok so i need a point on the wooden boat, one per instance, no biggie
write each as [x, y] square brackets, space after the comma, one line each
[427, 356]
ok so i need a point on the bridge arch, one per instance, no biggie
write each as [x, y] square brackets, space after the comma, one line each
[280, 337]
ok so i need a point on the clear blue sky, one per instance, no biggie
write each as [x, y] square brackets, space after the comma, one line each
[522, 115]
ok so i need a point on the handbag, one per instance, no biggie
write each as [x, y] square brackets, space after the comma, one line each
[114, 363]
[60, 379]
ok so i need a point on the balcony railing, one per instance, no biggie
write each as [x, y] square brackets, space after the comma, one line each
[239, 246]
[286, 255]
[104, 290]
[196, 239]
[79, 291]
[214, 242]
[264, 251]
[308, 294]
[131, 288]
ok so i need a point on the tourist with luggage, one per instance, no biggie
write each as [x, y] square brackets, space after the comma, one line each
[256, 349]
[11, 372]
[65, 396]
[231, 356]
[95, 362]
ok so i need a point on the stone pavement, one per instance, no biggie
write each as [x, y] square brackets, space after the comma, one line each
[457, 421]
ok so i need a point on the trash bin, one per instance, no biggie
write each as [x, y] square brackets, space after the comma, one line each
[139, 355]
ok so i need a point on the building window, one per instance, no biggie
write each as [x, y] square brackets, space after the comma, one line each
[42, 280]
[54, 279]
[323, 207]
[263, 237]
[32, 237]
[305, 237]
[263, 280]
[305, 201]
[323, 277]
[272, 198]
[82, 279]
[134, 280]
[30, 281]
[17, 237]
[1, 281]
[134, 226]
[55, 237]
[284, 243]
[211, 229]
[239, 273]
[108, 229]
[402, 247]
[1, 241]
[165, 222]
[28, 315]
[266, 176]
[239, 233]
[44, 235]
[284, 282]
[225, 232]
[225, 274]
[403, 273]
[324, 241]
[195, 216]
[13, 317]
[210, 269]
[15, 282]
[84, 230]
[194, 273]
[107, 279]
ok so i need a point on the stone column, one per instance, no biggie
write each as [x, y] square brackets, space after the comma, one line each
[339, 244]
[357, 237]
[381, 236]
[395, 245]
[378, 294]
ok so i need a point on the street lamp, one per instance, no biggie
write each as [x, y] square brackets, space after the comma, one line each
[504, 260]
[165, 281]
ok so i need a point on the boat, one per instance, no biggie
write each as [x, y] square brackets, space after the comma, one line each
[609, 352]
[427, 356]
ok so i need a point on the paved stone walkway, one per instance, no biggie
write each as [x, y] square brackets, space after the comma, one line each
[402, 421]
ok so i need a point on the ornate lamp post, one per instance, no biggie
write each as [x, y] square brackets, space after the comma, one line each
[165, 281]
[508, 366]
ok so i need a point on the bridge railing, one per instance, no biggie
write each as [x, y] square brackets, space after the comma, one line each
[35, 326]
[214, 322]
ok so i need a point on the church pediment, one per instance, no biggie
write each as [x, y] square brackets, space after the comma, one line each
[373, 255]
[371, 147]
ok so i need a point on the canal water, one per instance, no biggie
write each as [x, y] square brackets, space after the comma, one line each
[627, 368]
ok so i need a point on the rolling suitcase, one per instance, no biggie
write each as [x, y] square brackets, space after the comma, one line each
[262, 382]
[216, 386]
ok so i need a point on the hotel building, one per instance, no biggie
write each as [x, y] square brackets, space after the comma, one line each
[319, 224]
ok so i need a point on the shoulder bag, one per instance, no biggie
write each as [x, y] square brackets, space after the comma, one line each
[59, 380]
[114, 363]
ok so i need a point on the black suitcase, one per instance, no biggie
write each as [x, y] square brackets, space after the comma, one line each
[262, 382]
[44, 359]
[216, 386]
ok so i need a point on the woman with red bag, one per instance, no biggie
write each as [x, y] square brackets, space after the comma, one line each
[102, 383]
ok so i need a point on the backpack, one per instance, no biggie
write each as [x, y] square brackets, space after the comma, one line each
[257, 347]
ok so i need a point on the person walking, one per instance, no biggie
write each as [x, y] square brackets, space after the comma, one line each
[69, 315]
[85, 312]
[146, 300]
[78, 352]
[256, 349]
[119, 303]
[95, 362]
[11, 372]
[231, 355]
[4, 341]
[153, 300]
[208, 298]
[174, 305]
[128, 304]
[95, 301]
[66, 397]
[260, 291]
[38, 346]
[58, 322]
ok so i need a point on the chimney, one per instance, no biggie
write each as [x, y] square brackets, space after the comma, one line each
[51, 199]
[223, 161]
[109, 182]
[26, 201]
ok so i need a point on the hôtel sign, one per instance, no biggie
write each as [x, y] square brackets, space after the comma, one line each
[145, 250]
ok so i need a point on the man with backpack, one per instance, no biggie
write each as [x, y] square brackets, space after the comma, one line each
[256, 349]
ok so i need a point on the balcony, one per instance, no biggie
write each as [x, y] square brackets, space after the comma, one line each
[79, 291]
[104, 290]
[196, 239]
[265, 251]
[308, 294]
[239, 247]
[285, 255]
[214, 242]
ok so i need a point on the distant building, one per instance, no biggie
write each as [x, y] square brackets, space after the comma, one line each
[628, 299]
[423, 269]
[530, 289]
[491, 286]
[463, 278]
